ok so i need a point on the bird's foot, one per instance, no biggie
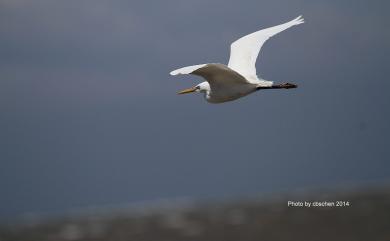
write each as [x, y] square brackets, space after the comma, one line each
[288, 86]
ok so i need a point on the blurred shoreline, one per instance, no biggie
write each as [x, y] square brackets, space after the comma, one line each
[368, 213]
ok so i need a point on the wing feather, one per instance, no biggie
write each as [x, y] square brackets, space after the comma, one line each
[187, 70]
[219, 76]
[244, 51]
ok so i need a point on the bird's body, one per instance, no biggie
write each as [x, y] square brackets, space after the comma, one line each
[237, 79]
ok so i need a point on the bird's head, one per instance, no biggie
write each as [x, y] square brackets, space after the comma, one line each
[202, 87]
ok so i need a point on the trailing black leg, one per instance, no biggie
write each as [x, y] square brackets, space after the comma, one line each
[279, 86]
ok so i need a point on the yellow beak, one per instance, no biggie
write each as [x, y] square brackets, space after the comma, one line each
[186, 91]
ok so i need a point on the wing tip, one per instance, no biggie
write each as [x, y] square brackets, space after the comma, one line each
[298, 20]
[174, 72]
[187, 70]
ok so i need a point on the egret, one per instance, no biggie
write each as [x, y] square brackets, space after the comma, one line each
[237, 79]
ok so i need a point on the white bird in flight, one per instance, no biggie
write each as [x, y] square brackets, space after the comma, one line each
[237, 79]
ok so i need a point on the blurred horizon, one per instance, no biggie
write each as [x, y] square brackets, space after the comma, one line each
[351, 215]
[34, 218]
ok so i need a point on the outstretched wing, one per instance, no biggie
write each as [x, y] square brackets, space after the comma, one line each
[219, 76]
[188, 69]
[244, 51]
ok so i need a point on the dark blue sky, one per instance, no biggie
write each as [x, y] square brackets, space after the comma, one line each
[90, 115]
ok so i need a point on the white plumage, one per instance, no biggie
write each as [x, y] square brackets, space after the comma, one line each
[238, 78]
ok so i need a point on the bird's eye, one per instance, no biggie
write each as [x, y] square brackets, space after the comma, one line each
[197, 87]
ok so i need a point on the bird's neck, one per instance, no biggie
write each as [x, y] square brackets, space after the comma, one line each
[206, 94]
